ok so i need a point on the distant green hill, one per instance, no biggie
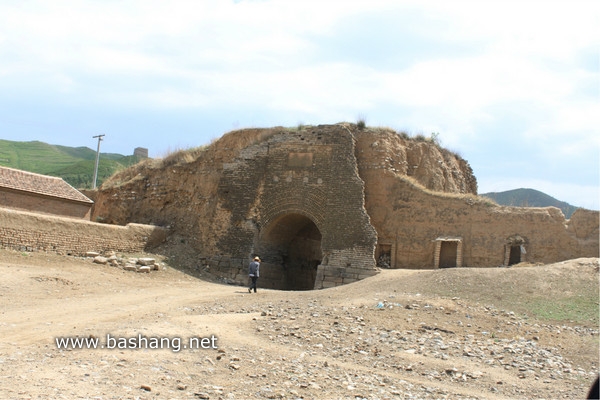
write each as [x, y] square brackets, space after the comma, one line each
[74, 164]
[529, 198]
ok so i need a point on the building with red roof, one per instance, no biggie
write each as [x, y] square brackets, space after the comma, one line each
[27, 191]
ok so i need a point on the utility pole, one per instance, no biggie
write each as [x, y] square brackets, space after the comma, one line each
[97, 159]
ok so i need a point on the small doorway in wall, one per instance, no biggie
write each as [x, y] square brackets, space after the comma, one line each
[383, 255]
[515, 255]
[448, 252]
[514, 250]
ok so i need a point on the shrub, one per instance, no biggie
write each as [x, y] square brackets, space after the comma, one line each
[403, 135]
[361, 123]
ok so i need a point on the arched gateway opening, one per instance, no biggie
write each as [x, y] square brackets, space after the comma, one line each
[290, 249]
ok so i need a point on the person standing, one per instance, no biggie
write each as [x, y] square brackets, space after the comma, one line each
[253, 272]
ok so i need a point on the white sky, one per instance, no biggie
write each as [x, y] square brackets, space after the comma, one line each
[512, 86]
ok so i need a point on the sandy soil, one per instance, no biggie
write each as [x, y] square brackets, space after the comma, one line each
[401, 334]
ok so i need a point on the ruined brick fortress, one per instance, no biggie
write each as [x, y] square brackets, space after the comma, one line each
[326, 205]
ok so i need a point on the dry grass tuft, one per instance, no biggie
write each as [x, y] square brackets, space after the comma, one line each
[179, 156]
[467, 197]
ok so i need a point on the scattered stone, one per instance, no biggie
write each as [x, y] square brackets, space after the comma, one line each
[357, 351]
[474, 375]
[100, 260]
[146, 261]
[144, 264]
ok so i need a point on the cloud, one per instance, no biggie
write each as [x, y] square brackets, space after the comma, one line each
[498, 80]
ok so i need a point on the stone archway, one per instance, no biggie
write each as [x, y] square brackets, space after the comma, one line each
[290, 249]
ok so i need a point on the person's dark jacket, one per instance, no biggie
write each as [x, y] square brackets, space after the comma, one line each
[253, 268]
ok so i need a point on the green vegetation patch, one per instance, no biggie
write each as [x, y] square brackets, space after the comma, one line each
[579, 309]
[564, 292]
[73, 164]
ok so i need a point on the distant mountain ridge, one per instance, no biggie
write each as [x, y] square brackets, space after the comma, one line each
[74, 164]
[529, 198]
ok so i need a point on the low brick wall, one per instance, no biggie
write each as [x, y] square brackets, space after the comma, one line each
[232, 270]
[328, 276]
[27, 231]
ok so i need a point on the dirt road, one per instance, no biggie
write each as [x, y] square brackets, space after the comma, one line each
[401, 334]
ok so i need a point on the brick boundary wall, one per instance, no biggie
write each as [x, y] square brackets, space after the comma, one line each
[25, 231]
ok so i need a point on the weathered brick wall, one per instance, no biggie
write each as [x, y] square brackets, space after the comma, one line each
[43, 204]
[36, 232]
[410, 220]
[308, 178]
[313, 201]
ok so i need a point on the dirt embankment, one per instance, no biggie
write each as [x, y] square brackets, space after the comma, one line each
[460, 333]
[181, 191]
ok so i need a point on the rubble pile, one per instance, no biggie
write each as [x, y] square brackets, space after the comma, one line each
[142, 264]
